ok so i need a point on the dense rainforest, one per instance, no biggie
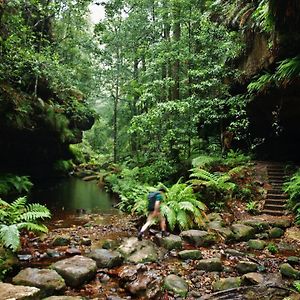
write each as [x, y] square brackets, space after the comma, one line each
[196, 97]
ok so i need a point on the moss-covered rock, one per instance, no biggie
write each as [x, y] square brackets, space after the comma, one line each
[176, 284]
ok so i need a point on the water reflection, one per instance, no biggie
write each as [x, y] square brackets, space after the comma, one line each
[73, 195]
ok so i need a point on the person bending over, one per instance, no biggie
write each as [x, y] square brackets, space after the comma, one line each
[154, 202]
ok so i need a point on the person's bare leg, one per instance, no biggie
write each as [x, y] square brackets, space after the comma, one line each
[146, 225]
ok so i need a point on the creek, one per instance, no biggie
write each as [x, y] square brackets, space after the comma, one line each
[70, 196]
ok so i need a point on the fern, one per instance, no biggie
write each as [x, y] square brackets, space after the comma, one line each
[181, 207]
[16, 216]
[288, 69]
[10, 236]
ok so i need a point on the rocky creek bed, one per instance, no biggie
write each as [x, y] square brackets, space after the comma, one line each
[99, 257]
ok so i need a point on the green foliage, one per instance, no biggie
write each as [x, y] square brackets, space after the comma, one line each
[181, 207]
[131, 192]
[272, 248]
[19, 215]
[296, 285]
[10, 183]
[292, 188]
[261, 83]
[262, 17]
[288, 69]
[63, 166]
[252, 207]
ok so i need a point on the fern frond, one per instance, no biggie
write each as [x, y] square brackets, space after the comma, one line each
[32, 227]
[183, 220]
[170, 215]
[18, 203]
[187, 206]
[10, 236]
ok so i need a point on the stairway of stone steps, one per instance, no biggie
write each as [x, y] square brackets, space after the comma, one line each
[276, 199]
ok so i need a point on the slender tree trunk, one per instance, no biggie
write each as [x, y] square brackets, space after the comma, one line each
[177, 35]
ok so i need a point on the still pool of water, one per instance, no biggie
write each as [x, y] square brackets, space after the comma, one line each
[73, 195]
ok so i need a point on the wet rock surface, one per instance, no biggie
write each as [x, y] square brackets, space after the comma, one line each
[18, 292]
[205, 260]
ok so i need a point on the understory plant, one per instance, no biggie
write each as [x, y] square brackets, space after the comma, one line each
[130, 190]
[181, 207]
[215, 187]
[292, 188]
[18, 216]
[10, 183]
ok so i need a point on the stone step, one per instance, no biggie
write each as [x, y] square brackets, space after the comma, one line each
[277, 196]
[275, 191]
[273, 177]
[274, 207]
[272, 212]
[276, 201]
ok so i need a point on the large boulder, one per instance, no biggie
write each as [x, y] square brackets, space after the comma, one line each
[258, 225]
[256, 244]
[275, 233]
[225, 232]
[106, 258]
[76, 270]
[243, 232]
[18, 292]
[136, 251]
[198, 237]
[48, 281]
[176, 284]
[169, 242]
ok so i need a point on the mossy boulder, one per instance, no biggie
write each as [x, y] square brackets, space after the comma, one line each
[227, 283]
[210, 265]
[169, 242]
[190, 254]
[198, 237]
[256, 244]
[243, 232]
[176, 284]
[246, 267]
[275, 233]
[288, 271]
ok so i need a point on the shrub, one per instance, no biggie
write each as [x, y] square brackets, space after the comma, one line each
[10, 183]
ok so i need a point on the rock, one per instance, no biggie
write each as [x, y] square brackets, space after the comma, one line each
[214, 217]
[243, 232]
[169, 242]
[233, 252]
[176, 285]
[106, 258]
[293, 296]
[246, 267]
[110, 244]
[252, 278]
[73, 251]
[198, 237]
[128, 273]
[24, 257]
[284, 247]
[18, 292]
[53, 253]
[293, 233]
[86, 241]
[258, 225]
[48, 281]
[227, 283]
[275, 233]
[141, 283]
[219, 228]
[288, 271]
[61, 241]
[256, 244]
[190, 254]
[210, 265]
[76, 270]
[262, 236]
[293, 260]
[138, 251]
[281, 223]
